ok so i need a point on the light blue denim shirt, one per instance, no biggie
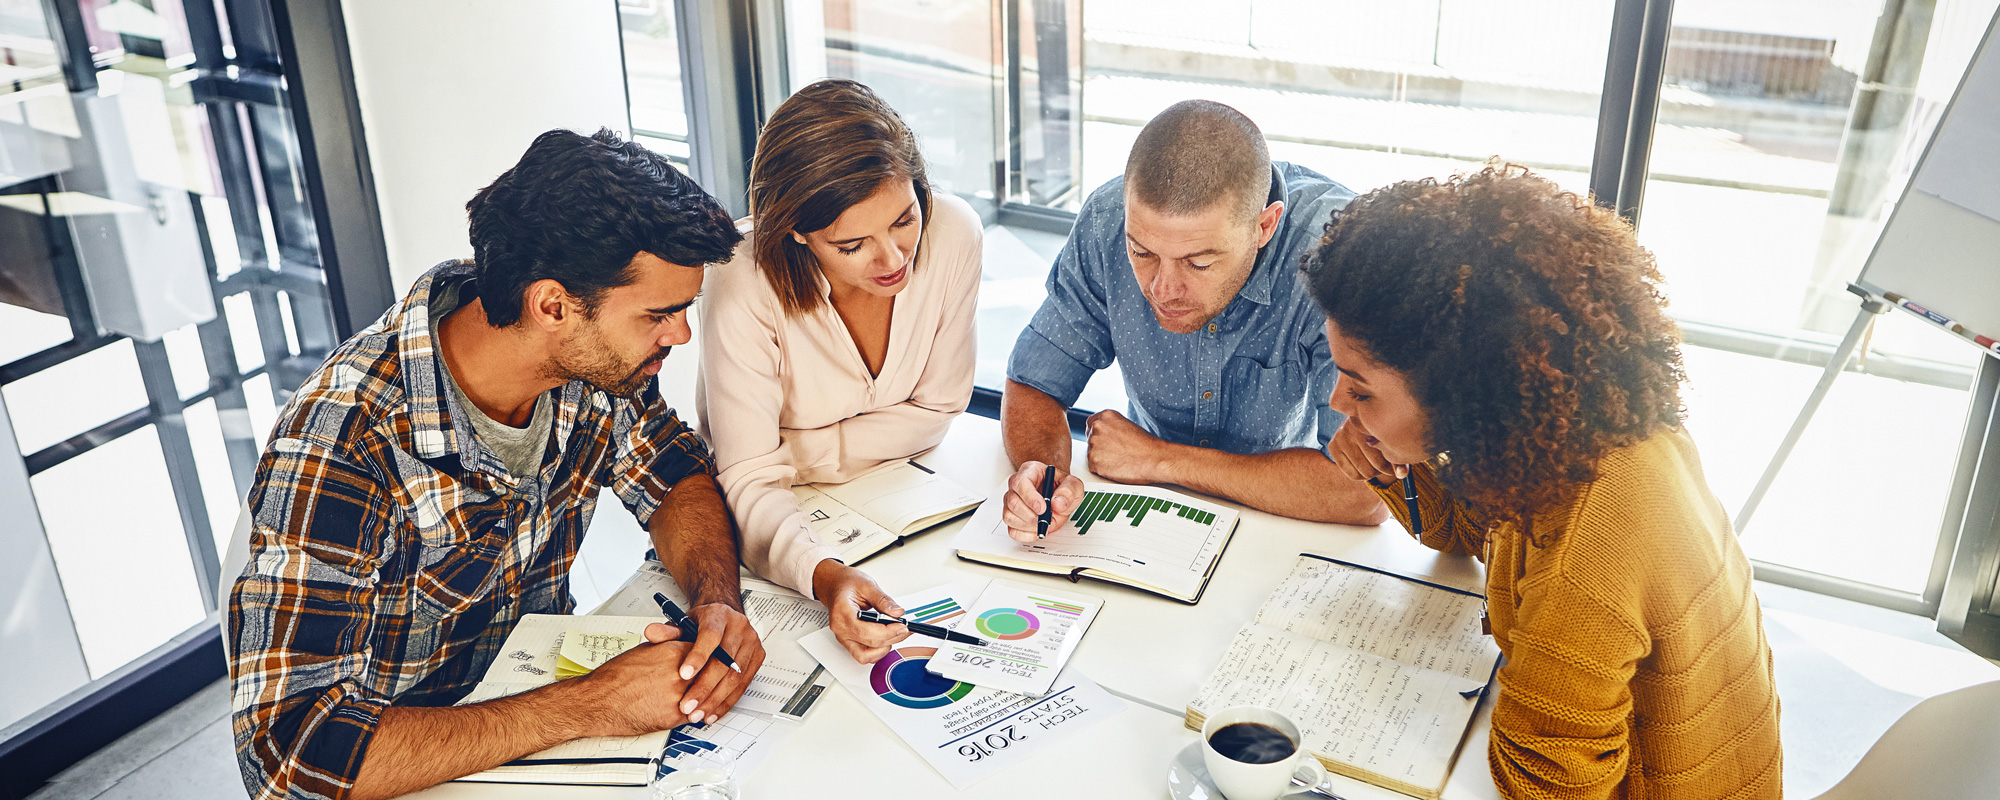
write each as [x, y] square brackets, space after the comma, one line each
[1253, 380]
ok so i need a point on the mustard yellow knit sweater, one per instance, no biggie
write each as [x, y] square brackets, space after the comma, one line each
[1636, 664]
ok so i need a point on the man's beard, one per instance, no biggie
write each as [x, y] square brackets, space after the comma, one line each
[585, 357]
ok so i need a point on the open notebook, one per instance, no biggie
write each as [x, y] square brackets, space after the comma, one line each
[1389, 704]
[1153, 539]
[880, 507]
[533, 657]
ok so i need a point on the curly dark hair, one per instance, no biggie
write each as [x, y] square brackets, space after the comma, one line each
[1529, 323]
[577, 209]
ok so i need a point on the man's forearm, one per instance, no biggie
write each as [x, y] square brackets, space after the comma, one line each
[1297, 482]
[696, 542]
[414, 748]
[1034, 426]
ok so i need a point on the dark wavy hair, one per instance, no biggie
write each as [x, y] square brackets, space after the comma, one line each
[577, 210]
[1529, 323]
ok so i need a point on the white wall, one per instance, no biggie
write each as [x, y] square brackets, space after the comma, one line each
[452, 92]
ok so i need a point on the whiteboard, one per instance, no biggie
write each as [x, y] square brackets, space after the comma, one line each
[1941, 247]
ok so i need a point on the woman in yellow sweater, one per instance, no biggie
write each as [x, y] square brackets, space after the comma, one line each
[1505, 345]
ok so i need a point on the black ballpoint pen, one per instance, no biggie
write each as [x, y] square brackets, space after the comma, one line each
[688, 629]
[923, 628]
[1410, 501]
[1048, 503]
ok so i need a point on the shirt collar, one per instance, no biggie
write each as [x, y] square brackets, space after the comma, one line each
[1263, 273]
[434, 431]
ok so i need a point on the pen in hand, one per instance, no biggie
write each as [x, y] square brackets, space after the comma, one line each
[1048, 503]
[688, 629]
[921, 628]
[1410, 502]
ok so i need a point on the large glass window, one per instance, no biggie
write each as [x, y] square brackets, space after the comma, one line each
[1365, 93]
[1786, 131]
[157, 270]
[653, 76]
[932, 60]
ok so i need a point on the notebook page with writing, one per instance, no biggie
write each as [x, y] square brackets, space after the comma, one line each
[901, 495]
[530, 659]
[834, 523]
[1375, 669]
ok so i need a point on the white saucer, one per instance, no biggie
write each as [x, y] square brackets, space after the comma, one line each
[1187, 777]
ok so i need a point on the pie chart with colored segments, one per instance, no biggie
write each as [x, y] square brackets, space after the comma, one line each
[1007, 624]
[900, 678]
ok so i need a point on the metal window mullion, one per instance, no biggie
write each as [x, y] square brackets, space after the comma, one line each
[218, 353]
[1651, 70]
[719, 89]
[169, 423]
[1978, 417]
[1965, 610]
[1614, 105]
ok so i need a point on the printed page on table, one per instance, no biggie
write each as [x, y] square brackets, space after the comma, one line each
[1157, 537]
[963, 731]
[790, 681]
[1030, 634]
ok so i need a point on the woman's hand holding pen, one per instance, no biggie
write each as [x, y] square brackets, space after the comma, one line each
[1359, 460]
[844, 591]
[1024, 502]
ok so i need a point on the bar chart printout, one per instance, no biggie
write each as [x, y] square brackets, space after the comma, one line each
[1106, 506]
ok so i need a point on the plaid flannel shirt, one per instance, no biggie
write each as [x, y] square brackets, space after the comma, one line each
[391, 553]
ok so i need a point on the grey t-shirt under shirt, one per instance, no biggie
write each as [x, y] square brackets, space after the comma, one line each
[520, 449]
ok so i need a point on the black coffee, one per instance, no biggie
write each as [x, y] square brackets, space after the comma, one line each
[1252, 743]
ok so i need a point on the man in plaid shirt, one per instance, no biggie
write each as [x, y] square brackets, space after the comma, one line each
[432, 482]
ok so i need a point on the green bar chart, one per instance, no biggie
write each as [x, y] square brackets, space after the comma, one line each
[1106, 506]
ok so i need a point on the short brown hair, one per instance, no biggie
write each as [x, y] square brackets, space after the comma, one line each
[826, 148]
[1530, 324]
[1198, 153]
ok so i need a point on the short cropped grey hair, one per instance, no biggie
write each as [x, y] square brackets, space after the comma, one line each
[1198, 153]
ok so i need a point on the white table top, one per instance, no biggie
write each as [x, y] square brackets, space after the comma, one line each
[1147, 649]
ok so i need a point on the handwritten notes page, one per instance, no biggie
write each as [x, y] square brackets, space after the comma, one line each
[1373, 667]
[965, 732]
[878, 507]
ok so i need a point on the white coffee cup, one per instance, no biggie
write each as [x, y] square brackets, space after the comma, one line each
[1240, 780]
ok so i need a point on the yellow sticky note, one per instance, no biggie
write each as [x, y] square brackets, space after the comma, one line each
[583, 651]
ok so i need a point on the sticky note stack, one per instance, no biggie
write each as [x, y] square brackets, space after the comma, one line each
[583, 651]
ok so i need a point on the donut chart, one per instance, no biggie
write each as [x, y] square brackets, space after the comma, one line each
[1007, 624]
[900, 678]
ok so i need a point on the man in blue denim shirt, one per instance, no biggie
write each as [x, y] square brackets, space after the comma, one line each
[1185, 271]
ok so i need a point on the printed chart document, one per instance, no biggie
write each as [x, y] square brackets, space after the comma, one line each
[530, 659]
[1030, 631]
[881, 507]
[791, 680]
[1382, 673]
[1157, 540]
[964, 731]
[783, 690]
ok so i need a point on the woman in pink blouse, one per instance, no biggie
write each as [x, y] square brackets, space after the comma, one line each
[840, 336]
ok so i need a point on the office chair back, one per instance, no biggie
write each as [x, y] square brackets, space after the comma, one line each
[1945, 748]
